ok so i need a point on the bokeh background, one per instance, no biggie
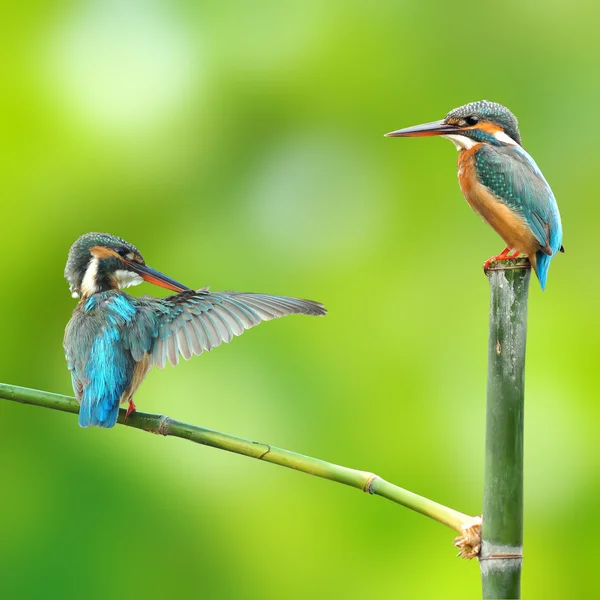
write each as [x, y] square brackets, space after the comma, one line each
[239, 144]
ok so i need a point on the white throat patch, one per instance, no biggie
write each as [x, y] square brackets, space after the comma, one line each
[462, 142]
[124, 278]
[88, 285]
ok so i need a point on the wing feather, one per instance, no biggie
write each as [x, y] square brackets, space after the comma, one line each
[250, 317]
[232, 320]
[190, 323]
[202, 334]
[183, 341]
[172, 350]
[211, 330]
[195, 343]
[220, 316]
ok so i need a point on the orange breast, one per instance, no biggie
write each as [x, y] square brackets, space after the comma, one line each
[512, 228]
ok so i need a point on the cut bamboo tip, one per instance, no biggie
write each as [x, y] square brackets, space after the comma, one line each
[508, 264]
[469, 541]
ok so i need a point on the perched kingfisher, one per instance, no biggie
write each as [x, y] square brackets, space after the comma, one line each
[500, 181]
[114, 339]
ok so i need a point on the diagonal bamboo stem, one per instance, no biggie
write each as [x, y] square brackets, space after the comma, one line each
[502, 531]
[363, 480]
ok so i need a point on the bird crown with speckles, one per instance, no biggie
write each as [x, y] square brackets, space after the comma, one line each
[489, 111]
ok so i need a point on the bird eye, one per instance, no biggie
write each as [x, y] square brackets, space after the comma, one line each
[121, 251]
[471, 120]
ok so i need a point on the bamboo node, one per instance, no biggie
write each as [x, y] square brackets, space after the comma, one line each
[368, 486]
[162, 428]
[502, 556]
[469, 541]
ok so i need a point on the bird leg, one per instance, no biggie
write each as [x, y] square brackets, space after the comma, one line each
[131, 408]
[515, 255]
[504, 254]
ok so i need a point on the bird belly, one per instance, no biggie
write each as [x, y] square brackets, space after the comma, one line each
[509, 225]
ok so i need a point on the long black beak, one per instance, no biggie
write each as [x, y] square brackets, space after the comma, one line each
[156, 277]
[427, 129]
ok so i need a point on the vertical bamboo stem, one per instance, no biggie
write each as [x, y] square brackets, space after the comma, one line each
[502, 530]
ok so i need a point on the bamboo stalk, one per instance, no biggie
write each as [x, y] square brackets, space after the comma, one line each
[502, 530]
[159, 424]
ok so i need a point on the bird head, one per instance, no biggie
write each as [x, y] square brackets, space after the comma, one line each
[475, 123]
[100, 262]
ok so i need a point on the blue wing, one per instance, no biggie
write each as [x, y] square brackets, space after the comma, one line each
[515, 179]
[189, 323]
[101, 368]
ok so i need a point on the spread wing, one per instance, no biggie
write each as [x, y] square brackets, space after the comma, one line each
[514, 178]
[189, 323]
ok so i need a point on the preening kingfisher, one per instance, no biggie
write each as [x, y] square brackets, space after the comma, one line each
[500, 181]
[114, 339]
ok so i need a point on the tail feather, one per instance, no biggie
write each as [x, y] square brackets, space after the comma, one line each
[540, 265]
[98, 413]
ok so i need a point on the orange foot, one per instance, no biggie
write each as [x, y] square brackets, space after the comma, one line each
[504, 254]
[130, 409]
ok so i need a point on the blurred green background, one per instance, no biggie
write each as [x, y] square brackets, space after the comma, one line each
[239, 144]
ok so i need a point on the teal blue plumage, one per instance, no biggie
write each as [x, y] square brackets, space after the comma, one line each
[513, 177]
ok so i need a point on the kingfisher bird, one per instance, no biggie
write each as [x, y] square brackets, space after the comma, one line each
[114, 339]
[500, 181]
